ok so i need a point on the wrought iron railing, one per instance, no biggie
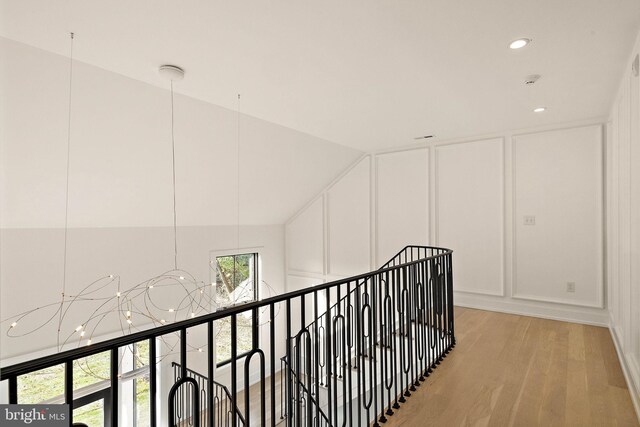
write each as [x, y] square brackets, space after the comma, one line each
[355, 349]
[387, 334]
[223, 408]
[305, 396]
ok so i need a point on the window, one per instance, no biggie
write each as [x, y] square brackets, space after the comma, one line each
[92, 387]
[236, 281]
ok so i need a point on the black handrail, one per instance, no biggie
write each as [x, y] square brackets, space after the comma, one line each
[95, 348]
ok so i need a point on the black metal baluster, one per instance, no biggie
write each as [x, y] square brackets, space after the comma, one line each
[316, 347]
[358, 342]
[114, 386]
[446, 306]
[13, 390]
[368, 343]
[394, 337]
[283, 411]
[409, 318]
[388, 307]
[406, 353]
[68, 387]
[328, 349]
[453, 335]
[339, 347]
[374, 338]
[401, 324]
[430, 307]
[413, 324]
[349, 337]
[247, 390]
[424, 360]
[299, 373]
[438, 283]
[272, 360]
[210, 372]
[153, 383]
[288, 390]
[234, 370]
[298, 379]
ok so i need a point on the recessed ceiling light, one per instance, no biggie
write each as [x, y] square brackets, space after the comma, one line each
[520, 43]
[539, 109]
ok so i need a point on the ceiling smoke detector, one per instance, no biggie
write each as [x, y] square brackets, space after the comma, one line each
[529, 80]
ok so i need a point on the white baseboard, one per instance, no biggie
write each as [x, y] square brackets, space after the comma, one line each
[634, 390]
[586, 315]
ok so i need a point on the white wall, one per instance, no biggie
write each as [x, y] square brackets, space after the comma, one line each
[471, 195]
[400, 219]
[623, 224]
[29, 260]
[330, 237]
[348, 233]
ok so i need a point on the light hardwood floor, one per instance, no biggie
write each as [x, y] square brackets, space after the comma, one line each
[509, 370]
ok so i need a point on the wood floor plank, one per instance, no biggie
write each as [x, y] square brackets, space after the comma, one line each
[509, 370]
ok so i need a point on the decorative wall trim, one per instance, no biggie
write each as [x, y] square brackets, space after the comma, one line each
[514, 284]
[325, 233]
[327, 201]
[498, 134]
[305, 274]
[326, 189]
[480, 292]
[586, 315]
[287, 268]
[377, 262]
[502, 301]
[629, 369]
[554, 301]
[436, 211]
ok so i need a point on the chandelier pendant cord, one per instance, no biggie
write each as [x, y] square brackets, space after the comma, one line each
[66, 196]
[238, 175]
[173, 160]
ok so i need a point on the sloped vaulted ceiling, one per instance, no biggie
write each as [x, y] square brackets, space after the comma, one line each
[120, 158]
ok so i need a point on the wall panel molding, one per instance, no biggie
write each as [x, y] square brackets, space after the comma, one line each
[480, 257]
[402, 208]
[500, 300]
[542, 196]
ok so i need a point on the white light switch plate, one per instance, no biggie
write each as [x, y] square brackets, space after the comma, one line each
[529, 220]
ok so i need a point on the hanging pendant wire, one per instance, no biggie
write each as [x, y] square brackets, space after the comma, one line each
[124, 300]
[173, 163]
[238, 176]
[66, 195]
